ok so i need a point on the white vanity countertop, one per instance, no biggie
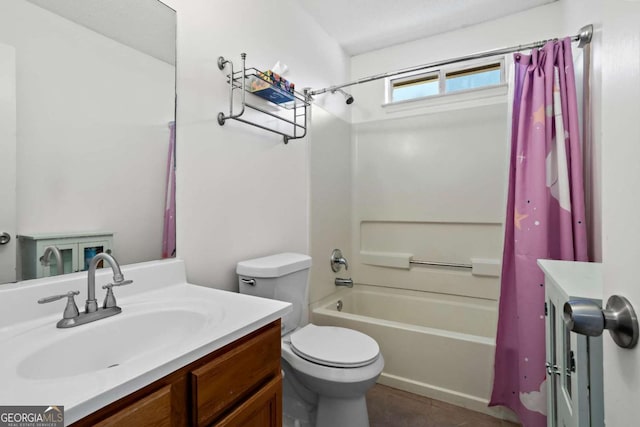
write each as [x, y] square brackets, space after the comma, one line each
[77, 379]
[577, 279]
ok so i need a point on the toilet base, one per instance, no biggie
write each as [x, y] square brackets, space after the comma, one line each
[342, 412]
[324, 396]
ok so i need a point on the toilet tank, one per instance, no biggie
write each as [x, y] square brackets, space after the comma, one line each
[283, 277]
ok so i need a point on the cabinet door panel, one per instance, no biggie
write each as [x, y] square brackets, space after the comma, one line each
[260, 410]
[227, 380]
[153, 411]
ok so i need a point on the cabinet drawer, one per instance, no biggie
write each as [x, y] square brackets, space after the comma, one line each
[152, 410]
[260, 410]
[222, 383]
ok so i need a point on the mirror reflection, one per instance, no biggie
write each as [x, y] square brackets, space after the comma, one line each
[87, 102]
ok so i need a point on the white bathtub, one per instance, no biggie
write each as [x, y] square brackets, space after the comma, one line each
[435, 345]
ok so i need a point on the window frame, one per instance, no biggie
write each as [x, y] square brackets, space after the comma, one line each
[403, 79]
[391, 82]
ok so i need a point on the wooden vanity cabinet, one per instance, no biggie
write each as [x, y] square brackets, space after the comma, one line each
[237, 385]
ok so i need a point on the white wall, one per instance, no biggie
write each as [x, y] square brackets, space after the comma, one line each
[242, 193]
[92, 131]
[330, 199]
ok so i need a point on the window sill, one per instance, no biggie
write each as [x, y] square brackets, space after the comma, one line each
[452, 101]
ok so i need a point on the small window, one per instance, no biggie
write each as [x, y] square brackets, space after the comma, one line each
[472, 78]
[444, 81]
[415, 87]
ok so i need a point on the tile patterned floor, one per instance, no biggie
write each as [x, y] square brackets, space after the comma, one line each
[390, 407]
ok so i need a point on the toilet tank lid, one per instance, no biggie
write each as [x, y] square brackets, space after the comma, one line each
[274, 265]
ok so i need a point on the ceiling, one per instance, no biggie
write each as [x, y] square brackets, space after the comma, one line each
[364, 25]
[146, 25]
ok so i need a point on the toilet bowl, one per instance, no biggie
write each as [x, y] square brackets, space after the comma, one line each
[340, 386]
[327, 370]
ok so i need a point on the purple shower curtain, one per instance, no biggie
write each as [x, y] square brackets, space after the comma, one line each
[169, 229]
[545, 219]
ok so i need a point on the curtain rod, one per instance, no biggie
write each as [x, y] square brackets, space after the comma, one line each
[583, 37]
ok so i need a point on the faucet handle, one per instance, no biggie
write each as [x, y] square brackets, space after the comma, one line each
[110, 285]
[337, 261]
[71, 310]
[52, 298]
[109, 298]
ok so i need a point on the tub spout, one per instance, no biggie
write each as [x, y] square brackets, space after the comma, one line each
[344, 282]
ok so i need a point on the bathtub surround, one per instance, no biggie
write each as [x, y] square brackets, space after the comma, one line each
[403, 207]
[545, 219]
[403, 166]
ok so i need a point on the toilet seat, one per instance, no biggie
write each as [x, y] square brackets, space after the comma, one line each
[334, 346]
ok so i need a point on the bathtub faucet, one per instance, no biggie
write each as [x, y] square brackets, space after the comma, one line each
[344, 282]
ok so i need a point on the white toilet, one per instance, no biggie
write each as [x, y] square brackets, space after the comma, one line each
[327, 370]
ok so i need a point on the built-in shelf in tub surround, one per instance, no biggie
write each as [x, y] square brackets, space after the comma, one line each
[479, 266]
[158, 294]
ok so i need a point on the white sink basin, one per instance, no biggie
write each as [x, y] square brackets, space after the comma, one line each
[111, 343]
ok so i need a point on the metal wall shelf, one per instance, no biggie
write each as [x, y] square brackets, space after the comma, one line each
[291, 106]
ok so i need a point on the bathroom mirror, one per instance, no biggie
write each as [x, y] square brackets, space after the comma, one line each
[94, 111]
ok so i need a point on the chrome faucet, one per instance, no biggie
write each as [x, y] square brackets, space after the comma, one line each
[337, 261]
[44, 259]
[344, 282]
[109, 308]
[91, 304]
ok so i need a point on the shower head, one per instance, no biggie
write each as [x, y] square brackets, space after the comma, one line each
[349, 98]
